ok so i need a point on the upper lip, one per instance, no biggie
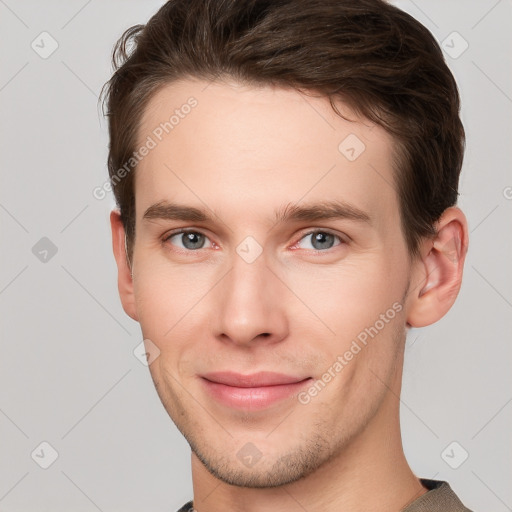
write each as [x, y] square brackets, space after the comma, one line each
[252, 380]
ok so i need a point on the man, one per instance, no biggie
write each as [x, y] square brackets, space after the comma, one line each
[286, 174]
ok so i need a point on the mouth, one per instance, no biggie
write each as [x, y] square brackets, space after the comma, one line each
[252, 392]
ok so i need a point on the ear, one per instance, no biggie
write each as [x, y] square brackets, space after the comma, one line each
[124, 273]
[437, 274]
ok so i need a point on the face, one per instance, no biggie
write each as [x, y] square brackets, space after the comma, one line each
[268, 241]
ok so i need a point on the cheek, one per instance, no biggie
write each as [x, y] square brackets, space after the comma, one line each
[168, 298]
[362, 306]
[165, 306]
[156, 307]
[351, 296]
[174, 306]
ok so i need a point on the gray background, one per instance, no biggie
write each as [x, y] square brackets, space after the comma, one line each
[68, 375]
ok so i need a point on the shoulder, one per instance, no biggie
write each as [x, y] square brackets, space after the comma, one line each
[188, 507]
[439, 498]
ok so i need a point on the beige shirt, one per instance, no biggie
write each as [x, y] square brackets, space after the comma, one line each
[439, 498]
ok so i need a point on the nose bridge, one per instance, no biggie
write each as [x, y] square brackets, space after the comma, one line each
[248, 305]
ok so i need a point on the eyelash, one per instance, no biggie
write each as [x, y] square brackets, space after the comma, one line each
[341, 239]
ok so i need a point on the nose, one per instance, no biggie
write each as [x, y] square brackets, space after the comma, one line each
[250, 305]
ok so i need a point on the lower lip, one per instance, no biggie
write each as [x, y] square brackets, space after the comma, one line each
[252, 398]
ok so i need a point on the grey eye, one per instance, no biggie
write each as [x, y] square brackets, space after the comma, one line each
[319, 240]
[191, 240]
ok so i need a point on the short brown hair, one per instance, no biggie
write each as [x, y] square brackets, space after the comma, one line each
[376, 58]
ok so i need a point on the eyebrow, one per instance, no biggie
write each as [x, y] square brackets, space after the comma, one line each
[291, 212]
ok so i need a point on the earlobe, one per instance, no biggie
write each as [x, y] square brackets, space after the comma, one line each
[124, 271]
[438, 275]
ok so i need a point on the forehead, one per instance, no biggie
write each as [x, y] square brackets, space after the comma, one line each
[254, 148]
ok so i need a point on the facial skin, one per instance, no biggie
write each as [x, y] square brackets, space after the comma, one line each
[245, 155]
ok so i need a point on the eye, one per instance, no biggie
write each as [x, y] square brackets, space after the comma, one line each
[189, 240]
[319, 240]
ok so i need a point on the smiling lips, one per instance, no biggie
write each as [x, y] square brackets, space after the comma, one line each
[254, 391]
